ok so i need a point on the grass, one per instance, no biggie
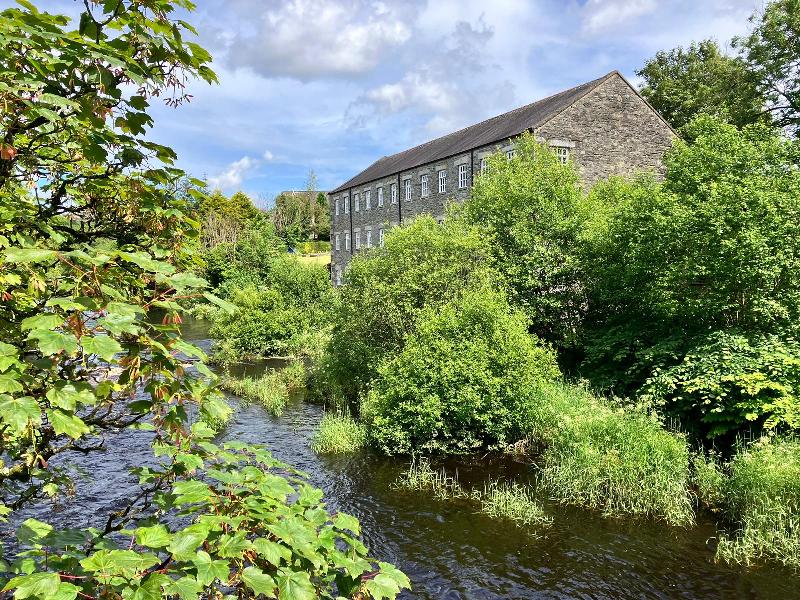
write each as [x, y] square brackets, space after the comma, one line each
[762, 500]
[709, 480]
[421, 477]
[620, 461]
[514, 502]
[338, 433]
[269, 390]
[316, 259]
[294, 375]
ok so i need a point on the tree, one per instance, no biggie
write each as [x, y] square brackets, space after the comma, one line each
[93, 240]
[528, 209]
[771, 53]
[225, 219]
[302, 216]
[684, 82]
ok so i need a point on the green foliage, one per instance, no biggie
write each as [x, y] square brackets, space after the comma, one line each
[684, 82]
[713, 248]
[421, 477]
[254, 531]
[270, 390]
[462, 381]
[527, 207]
[729, 380]
[762, 501]
[515, 502]
[302, 216]
[225, 220]
[338, 433]
[709, 479]
[421, 265]
[615, 459]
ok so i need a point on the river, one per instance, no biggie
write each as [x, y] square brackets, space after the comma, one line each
[448, 550]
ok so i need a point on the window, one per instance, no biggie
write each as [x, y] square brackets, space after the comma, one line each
[462, 176]
[346, 204]
[357, 201]
[380, 237]
[423, 182]
[367, 199]
[347, 241]
[442, 181]
[338, 275]
[562, 153]
[357, 237]
[337, 246]
[380, 197]
[369, 238]
[484, 166]
[510, 154]
[407, 189]
[337, 206]
[393, 191]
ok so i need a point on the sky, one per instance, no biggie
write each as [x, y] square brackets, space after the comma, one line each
[333, 85]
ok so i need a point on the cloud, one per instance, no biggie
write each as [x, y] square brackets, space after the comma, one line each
[268, 156]
[232, 176]
[307, 39]
[601, 15]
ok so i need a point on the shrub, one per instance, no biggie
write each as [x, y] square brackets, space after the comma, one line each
[514, 502]
[730, 380]
[617, 460]
[269, 390]
[528, 207]
[338, 433]
[762, 500]
[422, 264]
[462, 381]
[294, 375]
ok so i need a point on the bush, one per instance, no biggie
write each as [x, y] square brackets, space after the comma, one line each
[462, 381]
[338, 433]
[421, 265]
[730, 380]
[614, 459]
[762, 499]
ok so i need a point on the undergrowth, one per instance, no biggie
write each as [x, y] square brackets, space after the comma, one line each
[338, 433]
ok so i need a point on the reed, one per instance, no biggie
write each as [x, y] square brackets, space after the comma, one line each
[338, 433]
[269, 390]
[512, 501]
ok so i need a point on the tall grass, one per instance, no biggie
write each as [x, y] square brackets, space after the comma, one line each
[338, 433]
[620, 461]
[269, 390]
[709, 480]
[421, 477]
[762, 499]
[514, 502]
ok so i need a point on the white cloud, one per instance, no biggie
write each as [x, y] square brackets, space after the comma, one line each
[232, 176]
[305, 39]
[268, 156]
[601, 15]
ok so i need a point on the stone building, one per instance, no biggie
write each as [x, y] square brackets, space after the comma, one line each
[604, 126]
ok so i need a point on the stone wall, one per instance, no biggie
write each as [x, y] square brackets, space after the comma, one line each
[609, 131]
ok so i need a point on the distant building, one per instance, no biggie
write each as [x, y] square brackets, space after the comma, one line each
[604, 126]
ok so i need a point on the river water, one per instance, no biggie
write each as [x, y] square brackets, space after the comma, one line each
[447, 549]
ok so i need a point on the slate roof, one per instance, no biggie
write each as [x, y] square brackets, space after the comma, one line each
[486, 132]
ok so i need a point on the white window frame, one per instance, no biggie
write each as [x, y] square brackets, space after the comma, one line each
[338, 245]
[357, 240]
[483, 166]
[424, 187]
[347, 241]
[369, 238]
[462, 176]
[346, 200]
[338, 275]
[357, 202]
[562, 154]
[407, 190]
[380, 197]
[510, 154]
[336, 200]
[442, 181]
[393, 192]
[380, 237]
[367, 199]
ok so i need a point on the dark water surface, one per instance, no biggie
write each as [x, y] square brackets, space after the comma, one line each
[447, 550]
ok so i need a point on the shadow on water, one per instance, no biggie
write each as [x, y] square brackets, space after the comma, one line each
[447, 549]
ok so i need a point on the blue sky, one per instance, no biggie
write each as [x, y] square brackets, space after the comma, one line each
[332, 85]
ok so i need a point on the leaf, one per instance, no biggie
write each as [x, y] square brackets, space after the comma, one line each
[233, 546]
[344, 521]
[18, 412]
[185, 542]
[271, 551]
[259, 582]
[295, 585]
[102, 345]
[42, 321]
[39, 585]
[67, 395]
[184, 281]
[33, 532]
[28, 255]
[186, 587]
[9, 355]
[9, 383]
[52, 342]
[223, 304]
[209, 570]
[387, 583]
[188, 492]
[65, 423]
[146, 262]
[157, 536]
